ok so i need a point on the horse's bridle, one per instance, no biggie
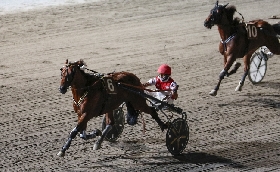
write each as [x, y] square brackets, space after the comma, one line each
[68, 77]
[216, 14]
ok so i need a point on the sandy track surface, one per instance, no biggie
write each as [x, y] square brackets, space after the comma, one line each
[234, 131]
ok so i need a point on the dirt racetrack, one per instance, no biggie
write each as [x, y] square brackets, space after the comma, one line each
[234, 131]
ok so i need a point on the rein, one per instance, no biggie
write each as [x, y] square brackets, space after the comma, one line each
[143, 88]
[240, 15]
[90, 70]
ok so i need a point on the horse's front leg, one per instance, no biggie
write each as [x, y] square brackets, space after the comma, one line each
[109, 123]
[221, 77]
[246, 70]
[81, 126]
[66, 146]
[72, 134]
[229, 58]
[222, 73]
[93, 134]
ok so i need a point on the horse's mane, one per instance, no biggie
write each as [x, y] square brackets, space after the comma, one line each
[90, 77]
[124, 77]
[230, 10]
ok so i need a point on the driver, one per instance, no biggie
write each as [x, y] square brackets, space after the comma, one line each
[166, 87]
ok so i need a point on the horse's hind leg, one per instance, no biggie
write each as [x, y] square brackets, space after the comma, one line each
[246, 70]
[132, 114]
[139, 103]
[109, 124]
[143, 107]
[155, 116]
[274, 45]
[235, 68]
[241, 83]
[85, 136]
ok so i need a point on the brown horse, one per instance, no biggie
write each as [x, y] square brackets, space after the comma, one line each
[95, 94]
[240, 40]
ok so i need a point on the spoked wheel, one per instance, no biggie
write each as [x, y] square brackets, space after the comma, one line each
[117, 128]
[258, 66]
[177, 136]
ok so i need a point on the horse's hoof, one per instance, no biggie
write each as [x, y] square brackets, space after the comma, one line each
[97, 132]
[163, 127]
[213, 93]
[60, 154]
[96, 146]
[237, 65]
[238, 88]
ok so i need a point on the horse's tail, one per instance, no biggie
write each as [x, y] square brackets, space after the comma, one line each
[276, 28]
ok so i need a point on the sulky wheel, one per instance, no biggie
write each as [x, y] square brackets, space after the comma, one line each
[117, 128]
[177, 136]
[258, 67]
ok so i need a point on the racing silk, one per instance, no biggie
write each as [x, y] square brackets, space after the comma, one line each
[169, 84]
[166, 89]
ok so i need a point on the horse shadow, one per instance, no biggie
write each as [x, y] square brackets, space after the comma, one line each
[135, 150]
[270, 84]
[271, 100]
[258, 99]
[186, 160]
[205, 158]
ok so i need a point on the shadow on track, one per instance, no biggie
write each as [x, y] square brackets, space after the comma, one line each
[204, 158]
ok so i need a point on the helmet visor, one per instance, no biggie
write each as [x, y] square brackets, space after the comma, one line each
[163, 77]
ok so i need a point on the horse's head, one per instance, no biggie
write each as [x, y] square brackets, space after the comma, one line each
[215, 15]
[67, 74]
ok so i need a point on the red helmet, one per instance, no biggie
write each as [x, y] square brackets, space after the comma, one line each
[165, 69]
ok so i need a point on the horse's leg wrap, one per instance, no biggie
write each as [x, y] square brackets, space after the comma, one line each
[132, 114]
[223, 73]
[98, 143]
[66, 146]
[83, 135]
[236, 66]
[221, 77]
[92, 135]
[215, 90]
[241, 83]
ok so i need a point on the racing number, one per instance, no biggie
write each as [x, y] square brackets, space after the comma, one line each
[110, 85]
[252, 31]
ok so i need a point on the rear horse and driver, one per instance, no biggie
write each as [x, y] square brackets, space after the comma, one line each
[241, 40]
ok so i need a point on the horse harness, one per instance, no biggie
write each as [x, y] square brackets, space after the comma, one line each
[232, 36]
[101, 78]
[78, 104]
[250, 35]
[227, 40]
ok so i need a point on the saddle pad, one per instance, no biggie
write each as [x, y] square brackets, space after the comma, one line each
[110, 85]
[252, 30]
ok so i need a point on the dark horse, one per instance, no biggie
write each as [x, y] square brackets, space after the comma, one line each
[95, 94]
[240, 40]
